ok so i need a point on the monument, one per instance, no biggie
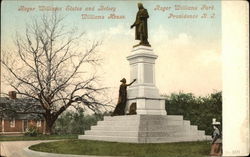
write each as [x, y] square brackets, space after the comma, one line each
[151, 124]
[141, 30]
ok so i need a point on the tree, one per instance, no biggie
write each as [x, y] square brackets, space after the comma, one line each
[48, 67]
[199, 110]
[75, 122]
[70, 122]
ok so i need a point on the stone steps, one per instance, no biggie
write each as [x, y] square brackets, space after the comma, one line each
[136, 122]
[118, 123]
[109, 138]
[144, 129]
[143, 117]
[150, 128]
[140, 140]
[113, 128]
[142, 133]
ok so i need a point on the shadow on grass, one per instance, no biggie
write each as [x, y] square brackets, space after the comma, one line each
[86, 147]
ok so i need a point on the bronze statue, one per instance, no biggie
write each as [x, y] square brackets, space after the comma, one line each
[141, 27]
[120, 107]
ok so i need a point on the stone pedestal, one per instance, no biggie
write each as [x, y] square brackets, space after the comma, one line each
[144, 92]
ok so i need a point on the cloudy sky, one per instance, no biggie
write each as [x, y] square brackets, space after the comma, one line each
[189, 50]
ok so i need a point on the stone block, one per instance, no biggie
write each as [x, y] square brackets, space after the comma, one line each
[144, 92]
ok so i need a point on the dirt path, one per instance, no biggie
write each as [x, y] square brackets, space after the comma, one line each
[15, 148]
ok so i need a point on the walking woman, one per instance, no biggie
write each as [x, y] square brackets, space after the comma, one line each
[216, 148]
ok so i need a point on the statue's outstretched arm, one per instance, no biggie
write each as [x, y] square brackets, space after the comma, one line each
[132, 25]
[131, 82]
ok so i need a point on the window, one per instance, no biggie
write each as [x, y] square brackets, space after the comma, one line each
[12, 123]
[38, 123]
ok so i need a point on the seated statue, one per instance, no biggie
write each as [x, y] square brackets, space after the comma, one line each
[132, 109]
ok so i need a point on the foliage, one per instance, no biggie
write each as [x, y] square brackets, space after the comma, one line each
[32, 131]
[101, 148]
[75, 122]
[199, 110]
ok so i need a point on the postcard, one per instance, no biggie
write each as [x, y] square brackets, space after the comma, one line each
[124, 78]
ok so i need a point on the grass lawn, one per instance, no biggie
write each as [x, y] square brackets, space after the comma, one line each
[39, 137]
[86, 147]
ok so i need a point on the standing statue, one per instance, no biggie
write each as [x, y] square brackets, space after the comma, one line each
[141, 27]
[120, 107]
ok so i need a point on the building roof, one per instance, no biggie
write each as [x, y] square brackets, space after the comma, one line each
[20, 108]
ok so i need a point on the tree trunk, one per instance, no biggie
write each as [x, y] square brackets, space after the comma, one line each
[48, 128]
[50, 120]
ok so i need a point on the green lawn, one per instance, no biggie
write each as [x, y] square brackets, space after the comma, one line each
[86, 147]
[40, 137]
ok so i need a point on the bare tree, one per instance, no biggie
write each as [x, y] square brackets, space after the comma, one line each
[51, 68]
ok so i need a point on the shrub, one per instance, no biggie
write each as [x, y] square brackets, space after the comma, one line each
[199, 110]
[75, 122]
[32, 131]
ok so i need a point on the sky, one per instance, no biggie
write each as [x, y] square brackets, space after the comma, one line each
[189, 50]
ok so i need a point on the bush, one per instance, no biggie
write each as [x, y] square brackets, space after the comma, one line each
[199, 110]
[76, 122]
[32, 131]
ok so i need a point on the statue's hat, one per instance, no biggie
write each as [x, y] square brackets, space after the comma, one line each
[214, 122]
[123, 80]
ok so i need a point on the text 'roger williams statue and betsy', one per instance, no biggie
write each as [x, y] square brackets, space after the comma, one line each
[141, 33]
